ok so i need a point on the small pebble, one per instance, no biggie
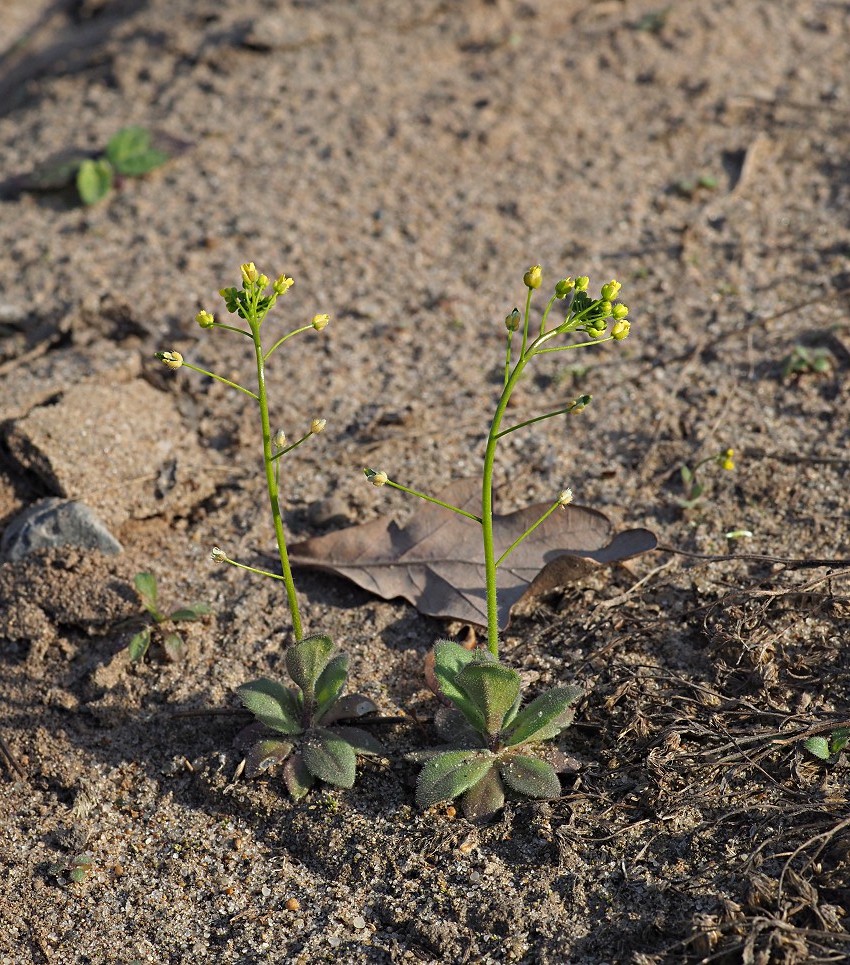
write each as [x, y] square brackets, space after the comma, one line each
[358, 922]
[293, 904]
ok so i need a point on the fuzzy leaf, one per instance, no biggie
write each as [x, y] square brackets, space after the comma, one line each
[174, 646]
[138, 646]
[484, 798]
[361, 741]
[94, 180]
[145, 584]
[265, 753]
[306, 660]
[530, 776]
[454, 729]
[131, 153]
[192, 612]
[819, 746]
[450, 658]
[545, 717]
[330, 683]
[493, 689]
[349, 707]
[329, 757]
[297, 777]
[436, 560]
[446, 776]
[272, 704]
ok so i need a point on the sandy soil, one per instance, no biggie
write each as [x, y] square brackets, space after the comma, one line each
[405, 162]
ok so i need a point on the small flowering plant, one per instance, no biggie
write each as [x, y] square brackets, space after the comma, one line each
[694, 486]
[306, 711]
[488, 728]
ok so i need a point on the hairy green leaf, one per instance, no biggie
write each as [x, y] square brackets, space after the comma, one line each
[306, 660]
[446, 776]
[450, 658]
[265, 753]
[272, 704]
[493, 689]
[545, 717]
[192, 612]
[819, 746]
[485, 797]
[145, 584]
[94, 180]
[361, 741]
[297, 777]
[130, 152]
[330, 683]
[174, 646]
[530, 776]
[138, 646]
[329, 757]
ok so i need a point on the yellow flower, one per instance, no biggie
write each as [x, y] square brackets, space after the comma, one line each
[379, 479]
[249, 272]
[621, 330]
[611, 290]
[205, 319]
[172, 359]
[282, 284]
[533, 277]
[320, 321]
[726, 460]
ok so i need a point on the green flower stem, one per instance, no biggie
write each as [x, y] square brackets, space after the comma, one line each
[218, 378]
[280, 341]
[566, 348]
[540, 418]
[431, 499]
[271, 478]
[528, 532]
[508, 358]
[525, 319]
[252, 569]
[231, 328]
[548, 309]
[487, 497]
[294, 445]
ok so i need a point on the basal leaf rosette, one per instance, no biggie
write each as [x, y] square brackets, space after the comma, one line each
[494, 744]
[309, 741]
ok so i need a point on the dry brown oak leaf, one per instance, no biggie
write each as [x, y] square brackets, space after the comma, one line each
[436, 561]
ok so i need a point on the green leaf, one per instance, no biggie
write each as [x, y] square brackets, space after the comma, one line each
[484, 798]
[94, 180]
[819, 746]
[329, 757]
[138, 646]
[330, 683]
[449, 659]
[192, 612]
[145, 584]
[455, 729]
[686, 474]
[530, 776]
[306, 660]
[297, 778]
[450, 774]
[174, 646]
[272, 704]
[131, 153]
[493, 688]
[545, 717]
[265, 753]
[361, 741]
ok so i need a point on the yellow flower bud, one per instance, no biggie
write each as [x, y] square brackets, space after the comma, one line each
[621, 330]
[218, 555]
[282, 284]
[379, 479]
[611, 290]
[172, 359]
[317, 425]
[263, 281]
[533, 277]
[581, 283]
[279, 439]
[205, 319]
[620, 311]
[320, 321]
[249, 273]
[565, 497]
[726, 460]
[512, 320]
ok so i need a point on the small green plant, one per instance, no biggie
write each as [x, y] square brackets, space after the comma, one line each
[694, 486]
[172, 642]
[829, 747]
[305, 713]
[129, 154]
[807, 361]
[495, 745]
[309, 740]
[77, 869]
[485, 692]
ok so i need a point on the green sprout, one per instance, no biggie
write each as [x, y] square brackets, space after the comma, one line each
[493, 742]
[806, 361]
[172, 642]
[312, 749]
[129, 153]
[77, 869]
[829, 747]
[309, 740]
[694, 487]
[495, 745]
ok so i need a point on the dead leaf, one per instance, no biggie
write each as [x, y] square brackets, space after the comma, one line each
[436, 561]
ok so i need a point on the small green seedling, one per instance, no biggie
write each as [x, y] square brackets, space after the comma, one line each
[495, 745]
[694, 487]
[173, 644]
[77, 869]
[309, 740]
[129, 154]
[807, 361]
[829, 747]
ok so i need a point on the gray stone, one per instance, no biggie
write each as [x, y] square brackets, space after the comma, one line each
[56, 522]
